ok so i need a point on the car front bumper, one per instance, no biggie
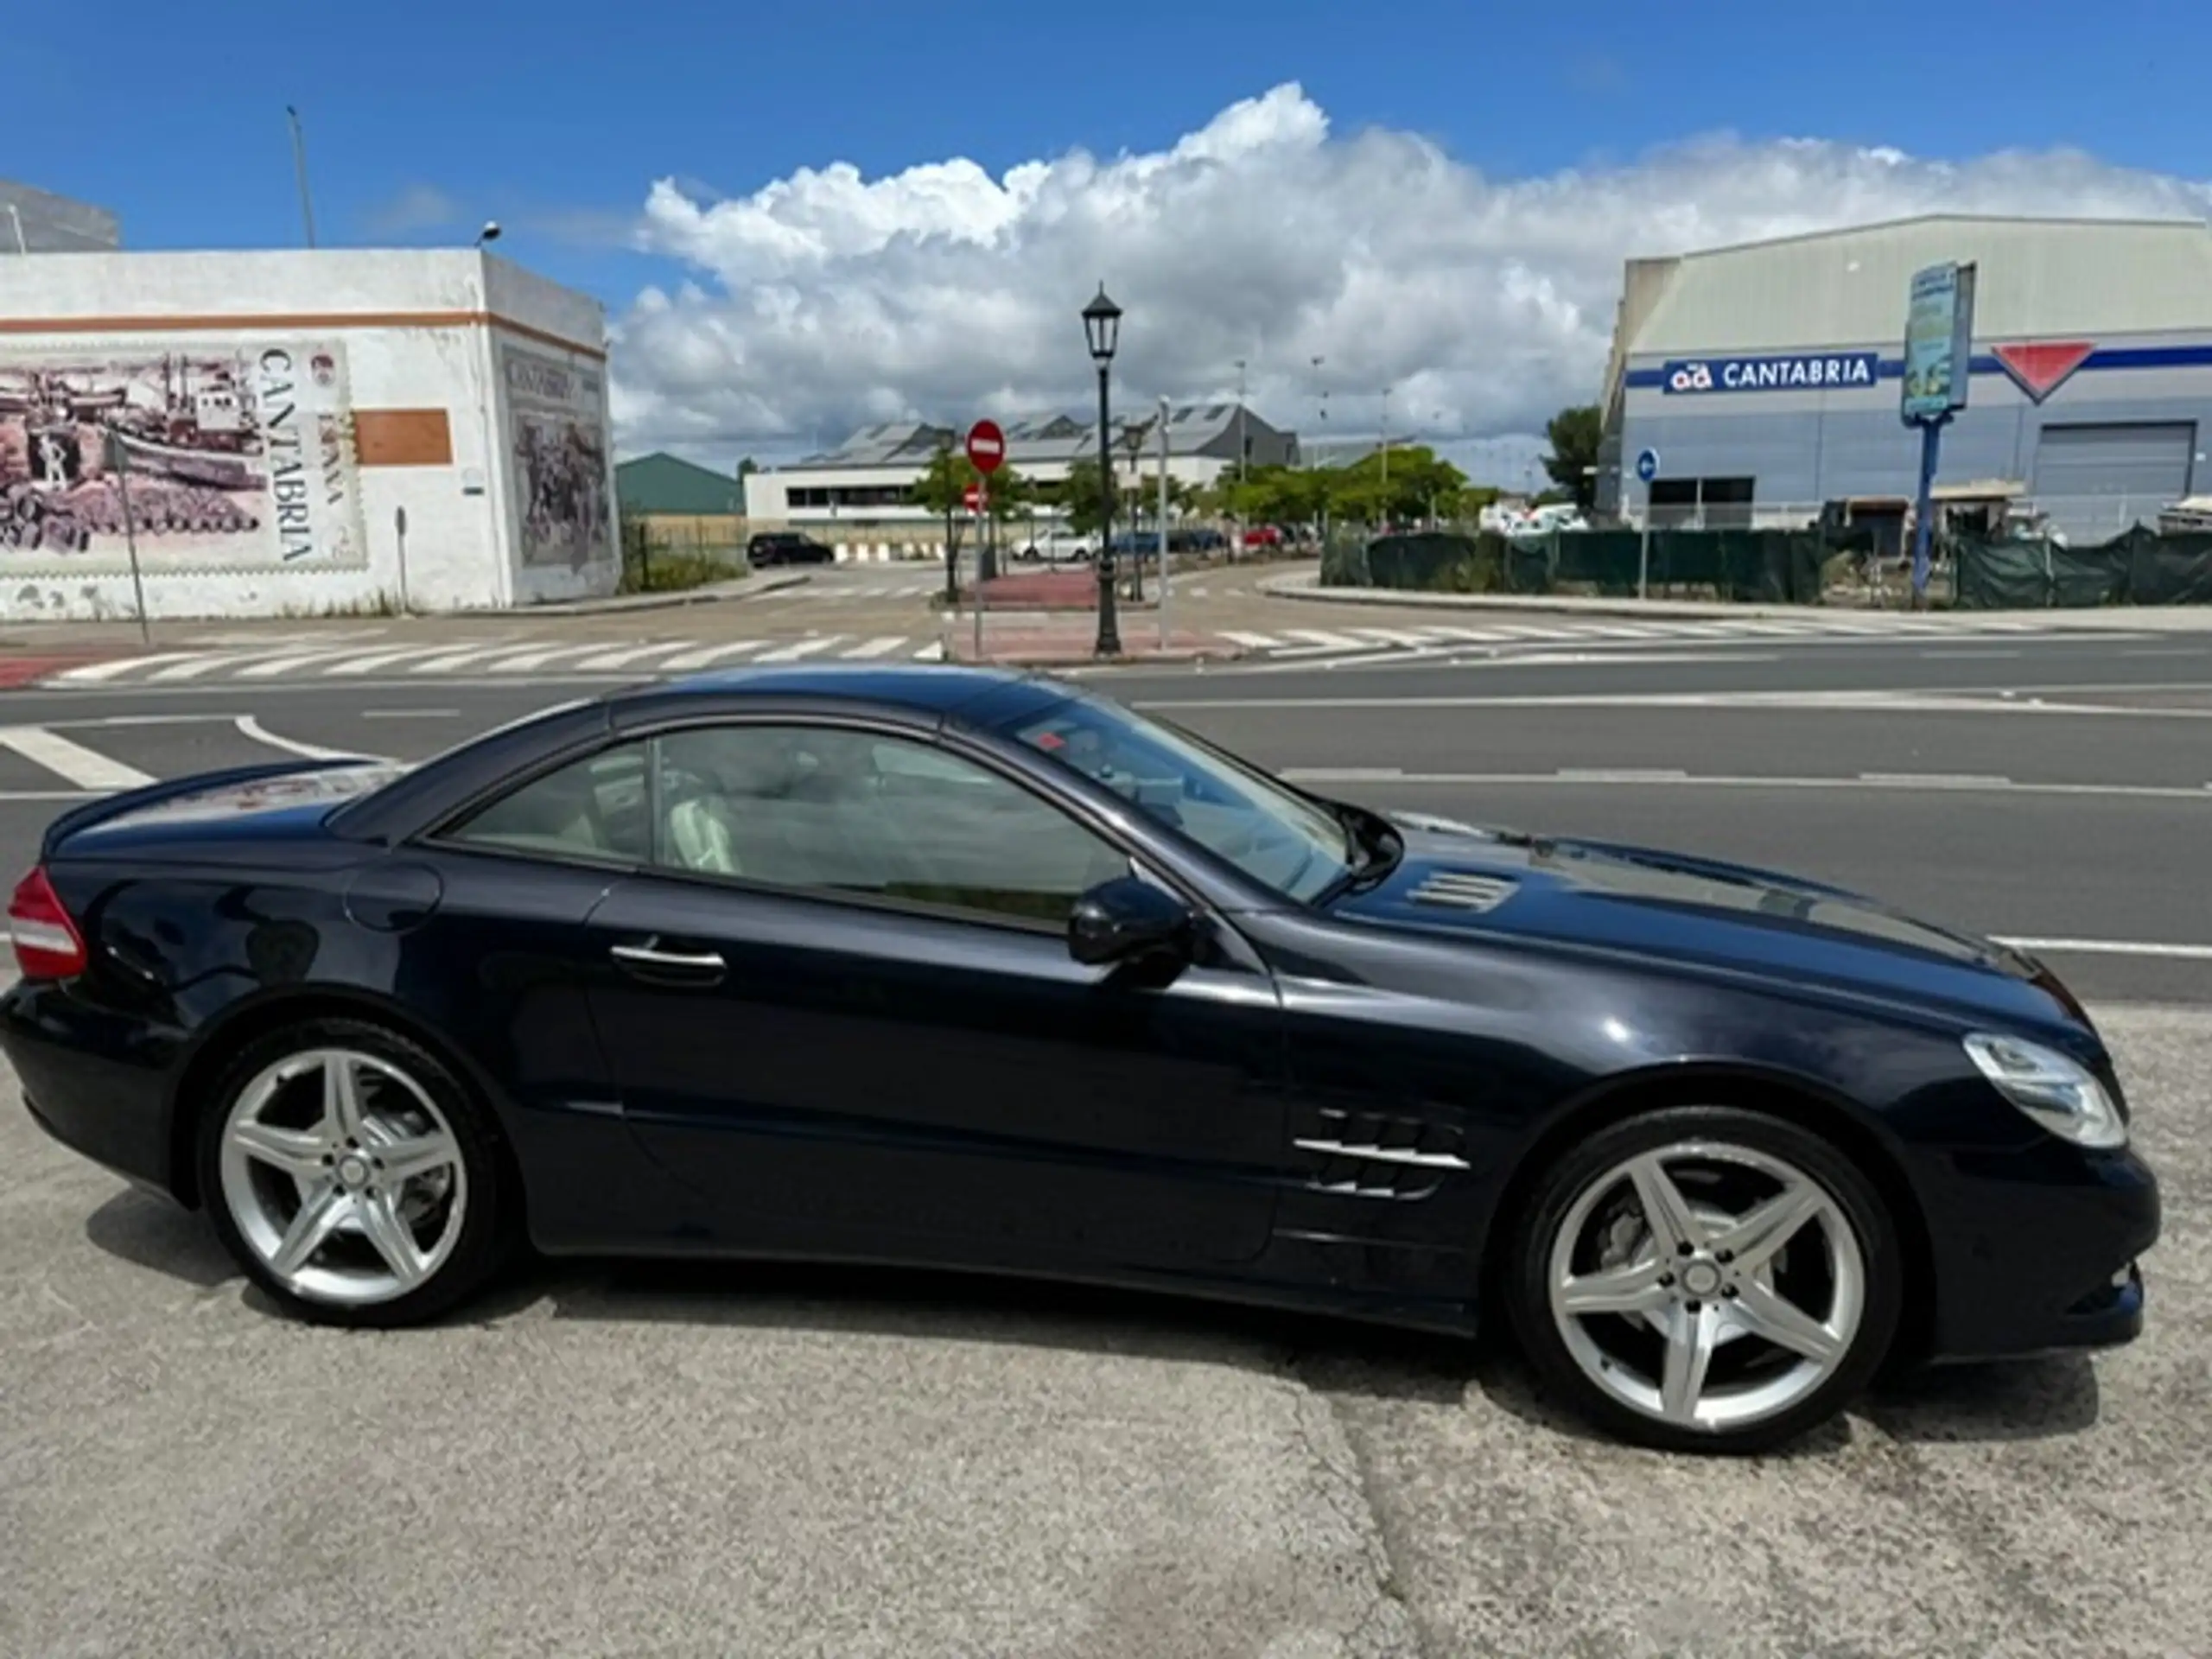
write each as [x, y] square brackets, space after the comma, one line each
[2038, 1250]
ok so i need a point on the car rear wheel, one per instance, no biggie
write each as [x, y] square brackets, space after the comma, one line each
[1707, 1279]
[353, 1177]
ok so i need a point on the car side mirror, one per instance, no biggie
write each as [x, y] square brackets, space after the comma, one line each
[1124, 918]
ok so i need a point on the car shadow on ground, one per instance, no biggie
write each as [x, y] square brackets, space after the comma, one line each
[2024, 1400]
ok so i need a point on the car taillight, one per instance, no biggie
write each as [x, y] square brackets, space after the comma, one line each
[48, 944]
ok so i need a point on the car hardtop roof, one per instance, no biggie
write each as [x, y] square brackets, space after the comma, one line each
[931, 691]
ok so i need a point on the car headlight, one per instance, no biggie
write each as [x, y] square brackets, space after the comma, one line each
[2061, 1094]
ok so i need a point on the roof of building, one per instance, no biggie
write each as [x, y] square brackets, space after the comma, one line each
[669, 484]
[2036, 277]
[1193, 429]
[51, 223]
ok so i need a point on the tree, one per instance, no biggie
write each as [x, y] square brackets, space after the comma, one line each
[1573, 460]
[1080, 496]
[943, 487]
[747, 468]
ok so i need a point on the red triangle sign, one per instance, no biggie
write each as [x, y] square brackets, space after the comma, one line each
[2044, 366]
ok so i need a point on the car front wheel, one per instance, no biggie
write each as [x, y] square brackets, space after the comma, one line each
[1705, 1278]
[353, 1177]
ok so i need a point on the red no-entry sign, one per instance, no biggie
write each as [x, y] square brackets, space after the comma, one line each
[972, 497]
[986, 447]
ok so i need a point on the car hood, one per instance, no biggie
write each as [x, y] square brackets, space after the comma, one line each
[1502, 884]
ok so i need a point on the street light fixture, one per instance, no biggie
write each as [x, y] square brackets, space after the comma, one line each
[1102, 328]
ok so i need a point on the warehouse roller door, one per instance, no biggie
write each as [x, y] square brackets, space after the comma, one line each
[2102, 478]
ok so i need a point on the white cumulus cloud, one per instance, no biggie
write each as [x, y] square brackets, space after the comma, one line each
[828, 299]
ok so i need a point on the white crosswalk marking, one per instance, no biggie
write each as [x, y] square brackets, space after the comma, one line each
[1332, 641]
[200, 666]
[1251, 641]
[71, 760]
[93, 673]
[874, 648]
[381, 659]
[271, 667]
[799, 648]
[708, 656]
[628, 655]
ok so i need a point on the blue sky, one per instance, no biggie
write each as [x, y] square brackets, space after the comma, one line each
[557, 117]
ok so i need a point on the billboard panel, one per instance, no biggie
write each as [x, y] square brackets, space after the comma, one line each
[1938, 343]
[237, 457]
[556, 439]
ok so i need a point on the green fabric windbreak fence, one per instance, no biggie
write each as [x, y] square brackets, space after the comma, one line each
[2138, 568]
[1770, 566]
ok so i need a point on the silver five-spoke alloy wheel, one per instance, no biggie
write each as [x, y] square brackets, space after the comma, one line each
[1706, 1285]
[343, 1177]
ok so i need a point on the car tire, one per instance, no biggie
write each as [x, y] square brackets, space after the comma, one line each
[415, 1161]
[1585, 1239]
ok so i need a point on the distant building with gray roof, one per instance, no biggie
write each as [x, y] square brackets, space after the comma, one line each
[867, 481]
[37, 221]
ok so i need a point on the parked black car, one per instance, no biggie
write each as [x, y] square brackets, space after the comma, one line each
[785, 547]
[956, 967]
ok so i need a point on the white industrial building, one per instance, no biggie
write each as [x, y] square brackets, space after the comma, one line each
[304, 432]
[865, 484]
[1766, 378]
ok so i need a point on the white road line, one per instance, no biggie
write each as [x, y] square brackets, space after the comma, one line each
[1466, 636]
[1251, 641]
[66, 758]
[1622, 774]
[1683, 780]
[410, 714]
[630, 654]
[1937, 779]
[1392, 636]
[375, 660]
[2114, 948]
[95, 673]
[1326, 640]
[932, 653]
[474, 654]
[1982, 656]
[203, 665]
[528, 661]
[799, 648]
[250, 728]
[882, 646]
[270, 668]
[709, 655]
[28, 796]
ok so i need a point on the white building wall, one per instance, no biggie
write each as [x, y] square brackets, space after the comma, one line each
[384, 336]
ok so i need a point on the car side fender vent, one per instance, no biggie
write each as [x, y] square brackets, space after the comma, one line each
[1371, 1155]
[1462, 890]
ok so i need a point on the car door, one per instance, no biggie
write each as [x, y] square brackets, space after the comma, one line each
[842, 1005]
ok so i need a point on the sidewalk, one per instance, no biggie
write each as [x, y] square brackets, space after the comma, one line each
[1306, 585]
[765, 581]
[1072, 642]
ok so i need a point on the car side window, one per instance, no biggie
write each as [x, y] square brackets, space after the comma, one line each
[597, 807]
[829, 810]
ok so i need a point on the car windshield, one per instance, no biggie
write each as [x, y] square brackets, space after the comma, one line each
[1272, 834]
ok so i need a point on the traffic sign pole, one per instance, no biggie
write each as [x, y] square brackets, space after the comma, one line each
[1647, 468]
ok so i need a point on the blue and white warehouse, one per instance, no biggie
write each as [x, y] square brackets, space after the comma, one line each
[1765, 379]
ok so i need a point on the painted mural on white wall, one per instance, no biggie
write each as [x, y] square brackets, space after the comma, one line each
[236, 457]
[557, 435]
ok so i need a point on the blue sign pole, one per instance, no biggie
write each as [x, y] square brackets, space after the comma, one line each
[1923, 511]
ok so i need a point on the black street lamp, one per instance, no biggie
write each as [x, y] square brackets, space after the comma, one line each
[1102, 327]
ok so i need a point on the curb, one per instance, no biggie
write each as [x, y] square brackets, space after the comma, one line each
[1309, 588]
[713, 593]
[1086, 660]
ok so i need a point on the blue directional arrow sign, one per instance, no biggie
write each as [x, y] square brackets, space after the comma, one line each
[1647, 465]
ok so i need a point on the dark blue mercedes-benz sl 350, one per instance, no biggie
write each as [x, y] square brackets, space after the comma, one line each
[967, 968]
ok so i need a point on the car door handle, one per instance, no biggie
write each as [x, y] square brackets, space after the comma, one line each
[652, 959]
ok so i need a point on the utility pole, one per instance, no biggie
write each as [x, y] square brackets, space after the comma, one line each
[300, 169]
[1324, 432]
[1386, 435]
[1243, 443]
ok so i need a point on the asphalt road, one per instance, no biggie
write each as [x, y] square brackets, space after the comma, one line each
[2055, 790]
[771, 1460]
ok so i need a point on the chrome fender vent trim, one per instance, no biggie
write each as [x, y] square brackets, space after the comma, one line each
[1462, 890]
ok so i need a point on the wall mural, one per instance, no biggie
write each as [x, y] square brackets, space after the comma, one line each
[234, 457]
[557, 437]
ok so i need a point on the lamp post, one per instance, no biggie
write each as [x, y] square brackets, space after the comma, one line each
[1102, 328]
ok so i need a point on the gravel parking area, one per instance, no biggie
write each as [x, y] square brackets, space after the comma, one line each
[764, 1461]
